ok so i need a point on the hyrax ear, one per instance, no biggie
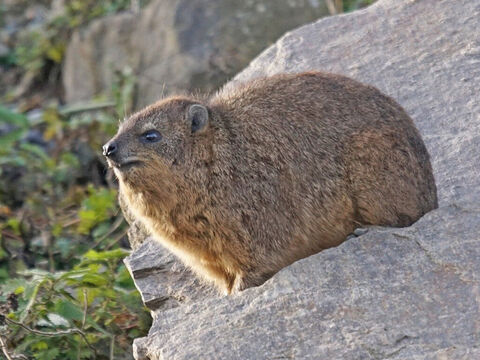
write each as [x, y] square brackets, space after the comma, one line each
[197, 117]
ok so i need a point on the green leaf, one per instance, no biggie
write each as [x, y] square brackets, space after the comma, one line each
[12, 160]
[50, 354]
[8, 140]
[68, 310]
[34, 150]
[3, 274]
[123, 278]
[106, 255]
[55, 53]
[56, 229]
[12, 117]
[53, 320]
[14, 224]
[12, 285]
[41, 345]
[110, 294]
[65, 245]
[31, 295]
[88, 219]
[134, 333]
[74, 275]
[101, 230]
[95, 280]
[27, 343]
[19, 290]
[3, 253]
[37, 273]
[84, 353]
[69, 159]
[54, 123]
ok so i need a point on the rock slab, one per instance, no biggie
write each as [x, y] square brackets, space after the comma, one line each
[411, 293]
[397, 294]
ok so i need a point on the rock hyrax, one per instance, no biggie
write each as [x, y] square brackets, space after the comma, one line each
[245, 182]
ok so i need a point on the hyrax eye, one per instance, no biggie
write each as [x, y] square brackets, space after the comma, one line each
[150, 136]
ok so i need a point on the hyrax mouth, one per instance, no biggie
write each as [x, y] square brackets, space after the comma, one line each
[125, 165]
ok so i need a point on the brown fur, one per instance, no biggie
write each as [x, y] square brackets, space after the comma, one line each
[287, 166]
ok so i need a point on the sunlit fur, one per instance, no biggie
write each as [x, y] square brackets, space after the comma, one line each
[287, 166]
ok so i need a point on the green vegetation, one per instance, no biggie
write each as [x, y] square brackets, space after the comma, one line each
[64, 291]
[92, 308]
[36, 48]
[61, 234]
[39, 51]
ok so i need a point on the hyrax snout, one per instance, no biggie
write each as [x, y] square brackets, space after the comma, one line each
[245, 182]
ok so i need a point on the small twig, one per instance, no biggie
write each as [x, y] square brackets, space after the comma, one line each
[11, 235]
[48, 239]
[54, 333]
[31, 301]
[116, 239]
[85, 307]
[83, 107]
[113, 228]
[3, 345]
[112, 347]
[71, 222]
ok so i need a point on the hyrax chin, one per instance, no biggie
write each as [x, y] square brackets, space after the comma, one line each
[241, 184]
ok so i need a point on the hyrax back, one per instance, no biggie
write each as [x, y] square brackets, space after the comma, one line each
[246, 182]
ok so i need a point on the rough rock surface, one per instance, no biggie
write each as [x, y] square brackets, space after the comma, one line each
[179, 45]
[163, 281]
[411, 293]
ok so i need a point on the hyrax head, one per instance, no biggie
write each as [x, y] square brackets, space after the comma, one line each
[154, 144]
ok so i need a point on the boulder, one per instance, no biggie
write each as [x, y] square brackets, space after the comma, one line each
[178, 45]
[396, 293]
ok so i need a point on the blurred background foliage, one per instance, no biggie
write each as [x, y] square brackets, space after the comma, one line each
[61, 232]
[64, 291]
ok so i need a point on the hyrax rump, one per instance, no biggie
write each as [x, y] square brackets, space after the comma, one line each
[243, 183]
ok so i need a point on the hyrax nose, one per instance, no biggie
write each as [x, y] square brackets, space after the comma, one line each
[110, 148]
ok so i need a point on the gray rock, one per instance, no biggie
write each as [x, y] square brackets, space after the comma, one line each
[410, 293]
[178, 45]
[396, 293]
[163, 282]
[360, 231]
